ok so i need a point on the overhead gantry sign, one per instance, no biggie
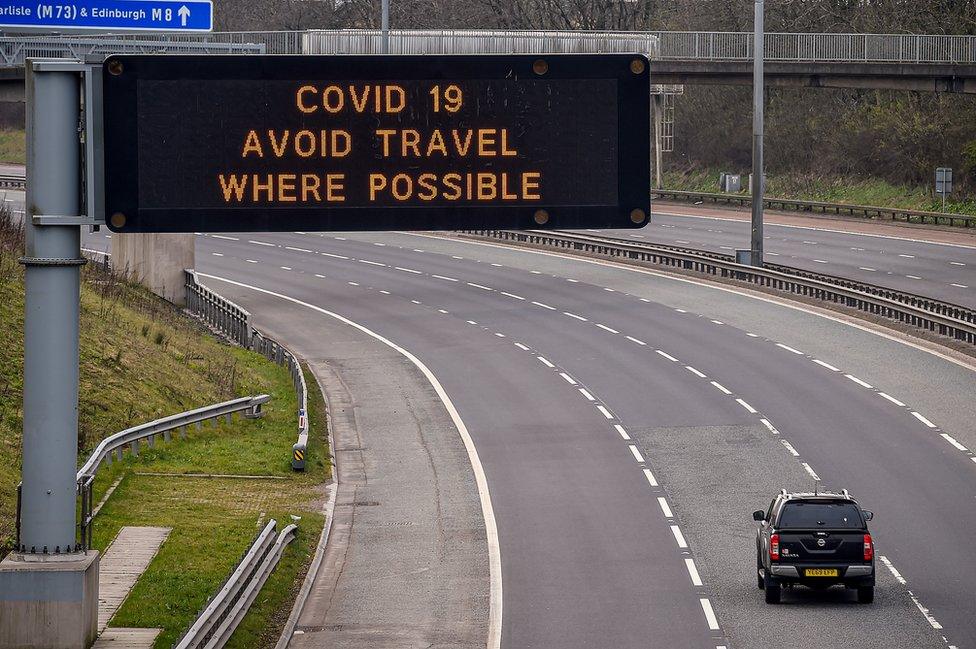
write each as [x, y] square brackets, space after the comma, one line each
[329, 143]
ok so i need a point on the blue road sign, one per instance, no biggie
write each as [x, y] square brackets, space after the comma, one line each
[107, 15]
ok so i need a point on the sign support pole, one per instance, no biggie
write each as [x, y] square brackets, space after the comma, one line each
[758, 175]
[385, 26]
[50, 585]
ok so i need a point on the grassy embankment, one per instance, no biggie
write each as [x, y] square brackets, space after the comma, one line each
[13, 147]
[140, 360]
[873, 192]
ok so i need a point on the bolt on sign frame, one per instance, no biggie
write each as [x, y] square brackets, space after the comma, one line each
[333, 143]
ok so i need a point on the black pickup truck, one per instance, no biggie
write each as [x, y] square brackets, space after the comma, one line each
[817, 540]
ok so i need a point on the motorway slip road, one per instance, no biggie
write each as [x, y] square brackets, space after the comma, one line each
[936, 262]
[628, 424]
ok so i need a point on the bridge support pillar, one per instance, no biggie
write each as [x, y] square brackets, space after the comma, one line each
[155, 261]
[657, 106]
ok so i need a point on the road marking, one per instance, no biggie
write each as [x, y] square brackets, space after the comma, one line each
[789, 349]
[928, 616]
[371, 263]
[265, 243]
[718, 322]
[821, 261]
[289, 268]
[415, 301]
[587, 395]
[827, 365]
[789, 447]
[606, 328]
[746, 406]
[574, 281]
[959, 285]
[923, 419]
[721, 387]
[408, 270]
[512, 295]
[650, 477]
[417, 250]
[339, 238]
[907, 256]
[913, 277]
[441, 311]
[484, 288]
[812, 243]
[491, 528]
[384, 292]
[679, 537]
[496, 265]
[609, 290]
[456, 257]
[694, 371]
[522, 347]
[471, 322]
[573, 315]
[693, 572]
[664, 507]
[634, 340]
[891, 568]
[302, 250]
[568, 378]
[952, 440]
[251, 261]
[536, 272]
[752, 335]
[637, 454]
[606, 413]
[667, 356]
[329, 254]
[891, 399]
[542, 359]
[681, 311]
[870, 270]
[221, 236]
[379, 244]
[499, 335]
[709, 614]
[809, 469]
[217, 254]
[768, 424]
[323, 277]
[544, 306]
[957, 263]
[623, 433]
[863, 384]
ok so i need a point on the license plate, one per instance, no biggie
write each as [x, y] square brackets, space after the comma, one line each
[822, 572]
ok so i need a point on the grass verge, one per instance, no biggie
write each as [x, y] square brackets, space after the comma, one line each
[13, 147]
[870, 191]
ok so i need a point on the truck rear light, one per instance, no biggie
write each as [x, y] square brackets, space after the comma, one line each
[774, 547]
[868, 548]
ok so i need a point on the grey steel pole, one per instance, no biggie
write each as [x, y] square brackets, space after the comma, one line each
[386, 26]
[51, 311]
[758, 176]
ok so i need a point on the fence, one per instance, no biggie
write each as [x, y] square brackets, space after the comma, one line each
[224, 612]
[235, 322]
[943, 318]
[14, 50]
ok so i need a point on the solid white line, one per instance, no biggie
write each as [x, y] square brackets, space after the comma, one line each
[664, 507]
[221, 236]
[789, 349]
[637, 454]
[265, 243]
[709, 614]
[892, 569]
[809, 469]
[693, 572]
[623, 433]
[522, 347]
[544, 361]
[371, 263]
[485, 288]
[827, 365]
[544, 306]
[789, 447]
[928, 616]
[952, 440]
[891, 399]
[923, 420]
[679, 537]
[487, 510]
[446, 279]
[721, 387]
[573, 315]
[634, 340]
[650, 477]
[667, 356]
[568, 378]
[329, 254]
[299, 249]
[746, 406]
[512, 295]
[606, 328]
[606, 413]
[863, 384]
[408, 270]
[587, 395]
[694, 371]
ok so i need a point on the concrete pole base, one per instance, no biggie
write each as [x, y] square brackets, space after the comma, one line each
[49, 601]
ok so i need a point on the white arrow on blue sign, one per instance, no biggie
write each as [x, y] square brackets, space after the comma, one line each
[108, 15]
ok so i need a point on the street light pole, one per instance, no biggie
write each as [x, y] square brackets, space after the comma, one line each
[758, 175]
[385, 26]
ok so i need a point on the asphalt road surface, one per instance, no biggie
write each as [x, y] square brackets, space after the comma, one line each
[939, 264]
[629, 423]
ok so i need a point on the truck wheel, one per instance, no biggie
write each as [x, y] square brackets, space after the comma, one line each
[865, 594]
[772, 589]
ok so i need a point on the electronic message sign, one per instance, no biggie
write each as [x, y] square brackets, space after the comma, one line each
[330, 143]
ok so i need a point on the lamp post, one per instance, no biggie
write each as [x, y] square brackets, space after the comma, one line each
[385, 26]
[758, 176]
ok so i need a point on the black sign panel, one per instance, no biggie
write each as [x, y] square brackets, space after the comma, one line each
[329, 143]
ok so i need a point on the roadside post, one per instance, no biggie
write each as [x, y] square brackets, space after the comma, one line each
[758, 129]
[943, 183]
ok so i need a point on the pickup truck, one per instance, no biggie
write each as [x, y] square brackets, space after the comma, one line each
[817, 540]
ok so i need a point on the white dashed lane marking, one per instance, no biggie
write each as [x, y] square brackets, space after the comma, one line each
[606, 413]
[568, 378]
[721, 387]
[637, 454]
[667, 356]
[694, 371]
[623, 433]
[587, 395]
[693, 572]
[574, 316]
[863, 384]
[650, 477]
[827, 365]
[606, 328]
[679, 537]
[709, 614]
[664, 507]
[922, 419]
[789, 349]
[635, 340]
[543, 360]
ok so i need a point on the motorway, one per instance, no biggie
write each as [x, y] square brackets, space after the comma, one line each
[935, 263]
[629, 422]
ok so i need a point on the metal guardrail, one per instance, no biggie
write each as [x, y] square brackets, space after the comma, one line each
[946, 319]
[224, 612]
[864, 211]
[14, 50]
[235, 322]
[12, 181]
